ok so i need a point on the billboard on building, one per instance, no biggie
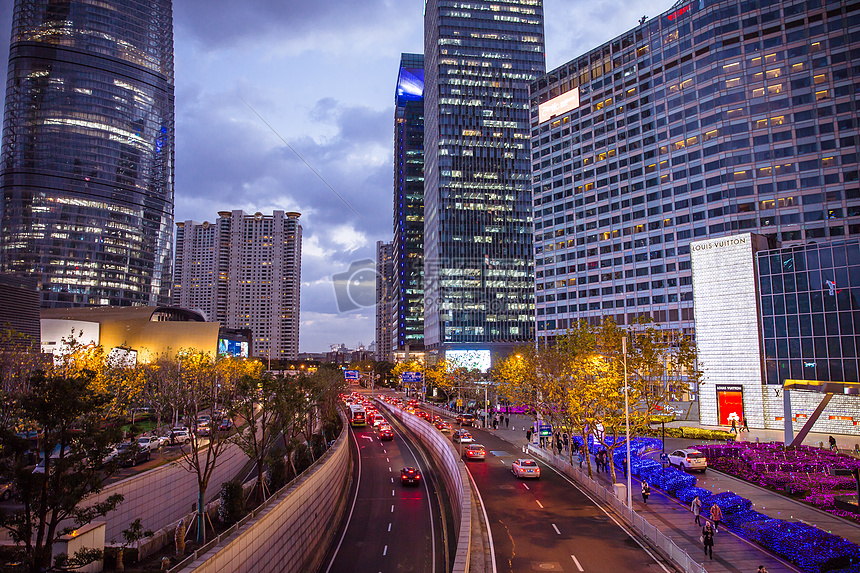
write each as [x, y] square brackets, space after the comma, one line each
[237, 348]
[730, 404]
[469, 359]
[558, 105]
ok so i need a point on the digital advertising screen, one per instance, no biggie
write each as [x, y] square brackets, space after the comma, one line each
[730, 404]
[469, 359]
[236, 348]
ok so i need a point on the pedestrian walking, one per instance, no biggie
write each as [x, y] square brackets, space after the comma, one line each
[734, 427]
[566, 441]
[495, 422]
[762, 569]
[581, 456]
[558, 443]
[646, 491]
[707, 539]
[696, 508]
[746, 425]
[832, 441]
[507, 421]
[529, 435]
[716, 517]
[598, 461]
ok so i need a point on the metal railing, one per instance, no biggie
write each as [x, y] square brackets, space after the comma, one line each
[638, 523]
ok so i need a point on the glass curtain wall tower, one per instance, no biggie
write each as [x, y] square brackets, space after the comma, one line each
[408, 322]
[478, 269]
[87, 156]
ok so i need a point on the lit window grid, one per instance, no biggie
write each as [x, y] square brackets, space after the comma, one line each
[459, 199]
[810, 305]
[562, 176]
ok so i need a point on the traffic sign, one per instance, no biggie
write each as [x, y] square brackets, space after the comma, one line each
[411, 377]
[351, 375]
[545, 430]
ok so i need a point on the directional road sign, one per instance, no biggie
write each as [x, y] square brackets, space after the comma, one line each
[351, 375]
[412, 377]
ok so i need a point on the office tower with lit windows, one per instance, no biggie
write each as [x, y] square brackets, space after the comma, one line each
[245, 272]
[386, 299]
[710, 119]
[408, 244]
[479, 59]
[87, 156]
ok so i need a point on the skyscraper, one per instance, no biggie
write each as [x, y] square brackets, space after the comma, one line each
[707, 120]
[245, 272]
[478, 264]
[386, 299]
[87, 156]
[408, 245]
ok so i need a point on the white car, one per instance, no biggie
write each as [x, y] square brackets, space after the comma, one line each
[525, 468]
[379, 421]
[688, 460]
[151, 443]
[180, 436]
[462, 437]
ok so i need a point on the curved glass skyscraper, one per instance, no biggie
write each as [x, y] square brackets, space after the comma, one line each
[87, 151]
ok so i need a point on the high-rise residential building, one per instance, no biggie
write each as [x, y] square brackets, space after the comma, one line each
[479, 59]
[408, 326]
[245, 272]
[87, 155]
[710, 119]
[386, 299]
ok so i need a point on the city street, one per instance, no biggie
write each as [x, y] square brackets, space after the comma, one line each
[548, 524]
[389, 527]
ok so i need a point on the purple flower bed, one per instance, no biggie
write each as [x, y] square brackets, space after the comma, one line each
[802, 472]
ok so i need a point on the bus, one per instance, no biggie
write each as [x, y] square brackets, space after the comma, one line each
[357, 416]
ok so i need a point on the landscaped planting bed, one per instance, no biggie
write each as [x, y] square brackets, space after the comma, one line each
[802, 474]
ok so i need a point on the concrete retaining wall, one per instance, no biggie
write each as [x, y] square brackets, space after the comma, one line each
[292, 531]
[453, 474]
[162, 496]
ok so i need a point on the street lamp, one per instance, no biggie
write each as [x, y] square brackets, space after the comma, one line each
[627, 424]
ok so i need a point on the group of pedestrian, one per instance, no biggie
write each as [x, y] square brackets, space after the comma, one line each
[709, 529]
[601, 460]
[745, 427]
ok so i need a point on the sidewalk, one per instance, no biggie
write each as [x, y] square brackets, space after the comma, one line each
[731, 553]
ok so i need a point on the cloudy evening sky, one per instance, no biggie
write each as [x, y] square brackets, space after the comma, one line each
[322, 74]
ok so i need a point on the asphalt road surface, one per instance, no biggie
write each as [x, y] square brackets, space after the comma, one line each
[547, 524]
[389, 527]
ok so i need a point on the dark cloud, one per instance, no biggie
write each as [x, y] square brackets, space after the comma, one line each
[219, 24]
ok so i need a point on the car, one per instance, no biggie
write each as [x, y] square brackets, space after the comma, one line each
[423, 414]
[379, 421]
[465, 419]
[150, 443]
[474, 452]
[5, 489]
[410, 476]
[386, 433]
[525, 468]
[689, 459]
[462, 437]
[225, 425]
[180, 436]
[131, 454]
[443, 426]
[204, 429]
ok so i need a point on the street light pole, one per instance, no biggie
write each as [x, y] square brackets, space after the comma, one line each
[627, 424]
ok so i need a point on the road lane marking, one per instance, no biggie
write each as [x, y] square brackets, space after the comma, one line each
[351, 509]
[392, 508]
[486, 520]
[576, 562]
[389, 527]
[384, 551]
[392, 480]
[389, 468]
[525, 486]
[539, 503]
[392, 493]
[387, 460]
[556, 529]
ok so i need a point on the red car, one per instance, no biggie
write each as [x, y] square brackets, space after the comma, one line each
[386, 434]
[410, 476]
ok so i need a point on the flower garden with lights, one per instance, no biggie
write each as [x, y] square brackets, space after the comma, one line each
[802, 472]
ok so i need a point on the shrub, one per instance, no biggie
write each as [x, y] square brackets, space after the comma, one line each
[232, 506]
[276, 478]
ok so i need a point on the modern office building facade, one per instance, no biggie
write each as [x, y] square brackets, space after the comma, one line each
[88, 151]
[707, 120]
[770, 319]
[478, 267]
[408, 244]
[244, 271]
[386, 299]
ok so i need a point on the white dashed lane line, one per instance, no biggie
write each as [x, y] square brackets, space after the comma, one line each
[392, 508]
[525, 486]
[556, 529]
[539, 503]
[384, 551]
[576, 562]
